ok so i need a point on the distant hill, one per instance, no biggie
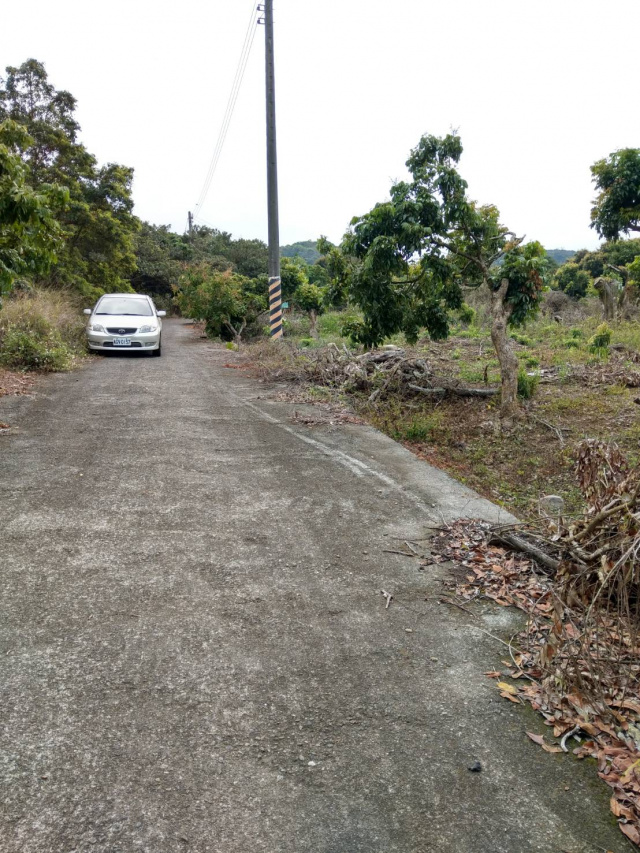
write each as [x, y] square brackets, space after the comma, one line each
[561, 256]
[306, 250]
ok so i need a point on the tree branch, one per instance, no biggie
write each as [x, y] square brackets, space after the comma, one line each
[450, 248]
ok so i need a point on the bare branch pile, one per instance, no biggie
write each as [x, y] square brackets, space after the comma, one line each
[579, 666]
[383, 371]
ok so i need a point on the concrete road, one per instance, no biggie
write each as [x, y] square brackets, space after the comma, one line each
[195, 654]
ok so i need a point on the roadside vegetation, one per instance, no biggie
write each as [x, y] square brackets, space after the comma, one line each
[41, 330]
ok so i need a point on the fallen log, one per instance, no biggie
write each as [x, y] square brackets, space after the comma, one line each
[458, 392]
[515, 543]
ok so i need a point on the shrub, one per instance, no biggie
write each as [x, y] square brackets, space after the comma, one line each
[466, 314]
[572, 343]
[599, 343]
[296, 325]
[572, 280]
[310, 299]
[41, 330]
[230, 304]
[527, 384]
[29, 351]
[521, 339]
[163, 302]
[576, 333]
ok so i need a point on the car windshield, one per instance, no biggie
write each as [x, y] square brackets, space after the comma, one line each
[124, 307]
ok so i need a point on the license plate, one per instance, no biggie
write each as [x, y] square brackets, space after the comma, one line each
[122, 342]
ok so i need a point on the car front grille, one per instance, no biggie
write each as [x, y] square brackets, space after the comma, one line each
[133, 344]
[121, 331]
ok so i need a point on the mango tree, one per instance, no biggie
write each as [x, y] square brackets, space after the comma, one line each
[310, 298]
[411, 257]
[616, 209]
[226, 301]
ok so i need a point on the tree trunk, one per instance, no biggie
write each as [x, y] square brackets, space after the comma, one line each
[237, 333]
[606, 291]
[313, 317]
[500, 313]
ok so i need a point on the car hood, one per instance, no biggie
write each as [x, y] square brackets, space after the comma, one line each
[122, 321]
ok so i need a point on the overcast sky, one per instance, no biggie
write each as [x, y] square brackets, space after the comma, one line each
[538, 91]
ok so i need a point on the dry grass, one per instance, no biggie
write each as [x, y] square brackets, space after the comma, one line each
[59, 309]
[41, 330]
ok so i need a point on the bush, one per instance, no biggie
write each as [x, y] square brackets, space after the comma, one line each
[27, 350]
[599, 343]
[230, 304]
[527, 384]
[572, 280]
[466, 314]
[572, 343]
[521, 339]
[41, 330]
[163, 302]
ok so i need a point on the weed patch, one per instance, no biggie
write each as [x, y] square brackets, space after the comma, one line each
[527, 384]
[42, 330]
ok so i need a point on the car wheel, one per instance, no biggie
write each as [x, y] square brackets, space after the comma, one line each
[158, 352]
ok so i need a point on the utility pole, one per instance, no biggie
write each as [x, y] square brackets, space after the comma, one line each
[275, 287]
[190, 220]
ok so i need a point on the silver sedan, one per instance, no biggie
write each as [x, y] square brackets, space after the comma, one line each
[125, 321]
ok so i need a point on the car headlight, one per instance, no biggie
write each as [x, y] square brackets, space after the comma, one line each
[148, 329]
[96, 327]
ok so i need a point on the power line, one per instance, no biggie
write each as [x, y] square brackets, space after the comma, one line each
[231, 103]
[204, 222]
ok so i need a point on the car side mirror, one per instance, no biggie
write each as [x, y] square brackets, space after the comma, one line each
[87, 311]
[162, 313]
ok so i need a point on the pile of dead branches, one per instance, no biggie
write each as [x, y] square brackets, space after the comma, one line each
[594, 643]
[615, 373]
[383, 371]
[600, 562]
[594, 556]
[578, 666]
[579, 585]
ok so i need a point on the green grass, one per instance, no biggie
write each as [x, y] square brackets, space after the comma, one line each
[330, 325]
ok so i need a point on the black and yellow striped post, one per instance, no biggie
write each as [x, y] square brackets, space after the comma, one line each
[275, 284]
[275, 306]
